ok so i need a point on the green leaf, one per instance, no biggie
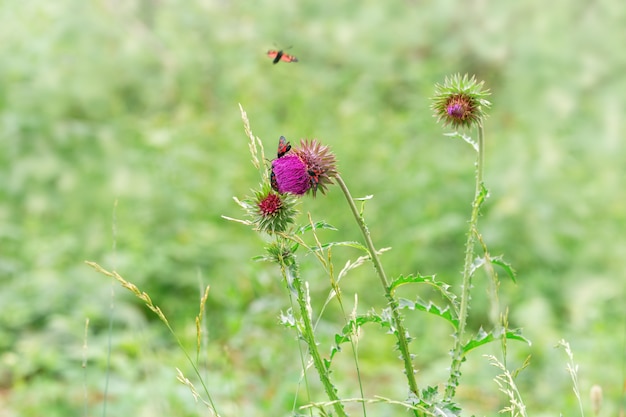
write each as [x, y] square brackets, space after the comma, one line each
[466, 138]
[482, 196]
[315, 226]
[352, 327]
[506, 266]
[430, 401]
[483, 338]
[429, 307]
[417, 279]
[429, 280]
[498, 260]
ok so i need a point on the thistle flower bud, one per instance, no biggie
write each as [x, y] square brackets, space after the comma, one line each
[460, 102]
[271, 212]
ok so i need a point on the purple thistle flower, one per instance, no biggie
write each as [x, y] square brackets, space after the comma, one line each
[455, 110]
[308, 168]
[291, 174]
[320, 164]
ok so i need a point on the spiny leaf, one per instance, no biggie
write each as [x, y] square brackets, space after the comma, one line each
[352, 327]
[427, 279]
[483, 338]
[484, 193]
[408, 279]
[315, 226]
[466, 138]
[430, 402]
[498, 260]
[429, 307]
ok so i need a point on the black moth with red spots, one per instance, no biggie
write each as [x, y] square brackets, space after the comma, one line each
[283, 147]
[314, 174]
[281, 56]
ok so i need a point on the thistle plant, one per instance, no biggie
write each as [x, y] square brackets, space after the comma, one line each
[460, 102]
[296, 171]
[272, 209]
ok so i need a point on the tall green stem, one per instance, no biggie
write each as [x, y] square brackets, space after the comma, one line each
[457, 352]
[400, 332]
[309, 338]
[480, 163]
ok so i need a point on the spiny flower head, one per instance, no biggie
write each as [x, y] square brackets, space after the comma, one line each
[270, 211]
[270, 205]
[308, 168]
[282, 252]
[460, 101]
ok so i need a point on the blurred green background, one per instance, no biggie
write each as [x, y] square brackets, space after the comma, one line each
[122, 143]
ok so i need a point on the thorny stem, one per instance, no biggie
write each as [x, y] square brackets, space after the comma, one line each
[400, 333]
[457, 351]
[309, 338]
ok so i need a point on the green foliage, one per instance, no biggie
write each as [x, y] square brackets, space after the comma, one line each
[483, 337]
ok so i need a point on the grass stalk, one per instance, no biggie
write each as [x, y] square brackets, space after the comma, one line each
[155, 309]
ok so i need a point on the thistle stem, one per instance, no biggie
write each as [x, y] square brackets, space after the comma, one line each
[309, 337]
[457, 351]
[400, 332]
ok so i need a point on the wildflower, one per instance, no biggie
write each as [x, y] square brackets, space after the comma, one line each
[270, 205]
[271, 212]
[460, 101]
[321, 164]
[290, 175]
[308, 168]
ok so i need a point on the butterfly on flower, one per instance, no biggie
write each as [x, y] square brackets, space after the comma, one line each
[281, 56]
